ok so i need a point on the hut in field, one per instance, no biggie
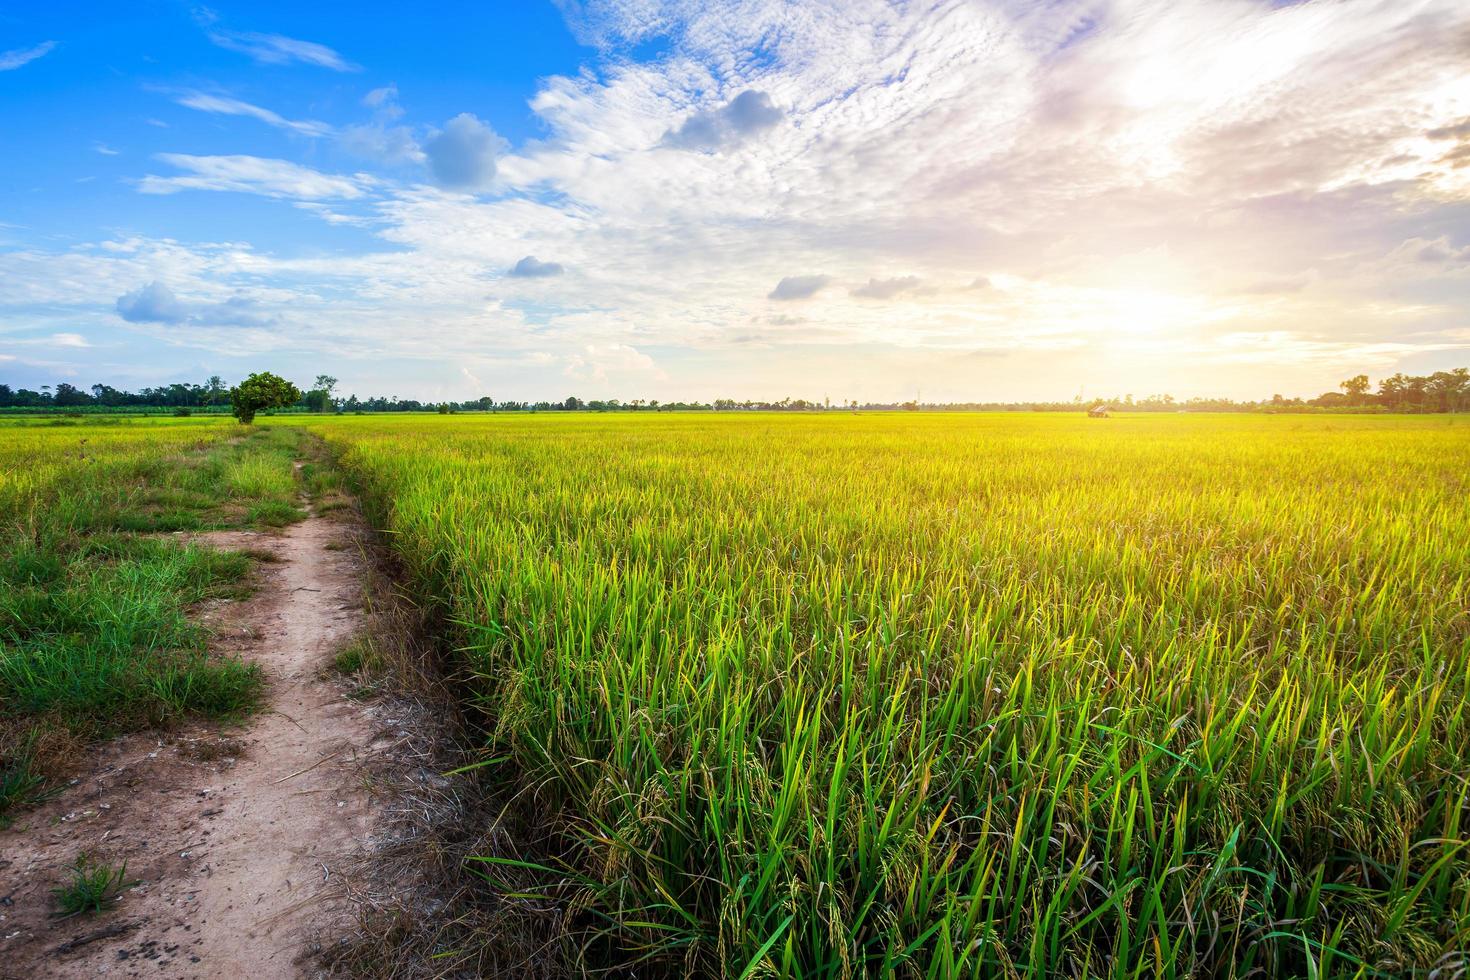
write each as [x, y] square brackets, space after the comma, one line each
[1098, 412]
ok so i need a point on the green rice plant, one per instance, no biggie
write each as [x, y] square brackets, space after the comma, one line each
[94, 887]
[964, 695]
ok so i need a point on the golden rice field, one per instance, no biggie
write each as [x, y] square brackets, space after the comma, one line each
[965, 695]
[912, 695]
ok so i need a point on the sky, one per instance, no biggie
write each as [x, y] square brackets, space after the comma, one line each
[956, 200]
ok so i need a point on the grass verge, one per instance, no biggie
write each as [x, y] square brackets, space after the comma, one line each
[96, 637]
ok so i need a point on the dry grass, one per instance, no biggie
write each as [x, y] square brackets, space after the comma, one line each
[421, 909]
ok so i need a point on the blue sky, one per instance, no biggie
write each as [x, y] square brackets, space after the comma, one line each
[982, 199]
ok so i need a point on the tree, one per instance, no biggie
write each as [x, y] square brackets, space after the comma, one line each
[1356, 388]
[216, 391]
[1446, 388]
[70, 395]
[319, 398]
[260, 392]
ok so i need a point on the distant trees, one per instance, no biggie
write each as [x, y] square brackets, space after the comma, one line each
[69, 396]
[1356, 389]
[65, 395]
[1442, 391]
[260, 392]
[319, 398]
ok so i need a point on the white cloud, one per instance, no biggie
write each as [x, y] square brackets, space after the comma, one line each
[251, 175]
[224, 105]
[599, 362]
[799, 287]
[156, 303]
[390, 145]
[887, 288]
[18, 57]
[153, 303]
[277, 49]
[748, 113]
[531, 267]
[463, 155]
[384, 100]
[1437, 251]
[69, 340]
[380, 140]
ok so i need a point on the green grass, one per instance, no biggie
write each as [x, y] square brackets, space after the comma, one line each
[964, 696]
[259, 474]
[21, 781]
[96, 634]
[94, 887]
[361, 656]
[96, 637]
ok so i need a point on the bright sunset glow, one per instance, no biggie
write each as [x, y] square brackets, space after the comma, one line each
[979, 199]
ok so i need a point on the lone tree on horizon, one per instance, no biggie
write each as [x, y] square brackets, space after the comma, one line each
[260, 392]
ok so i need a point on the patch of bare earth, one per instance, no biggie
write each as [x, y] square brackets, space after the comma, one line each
[234, 835]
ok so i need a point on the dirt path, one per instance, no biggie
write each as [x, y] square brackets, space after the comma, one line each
[235, 835]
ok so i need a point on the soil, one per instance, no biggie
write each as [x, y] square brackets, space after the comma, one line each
[236, 836]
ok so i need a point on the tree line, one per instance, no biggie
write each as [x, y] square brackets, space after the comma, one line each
[1442, 391]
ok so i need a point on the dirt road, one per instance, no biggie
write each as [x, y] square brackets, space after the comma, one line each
[233, 834]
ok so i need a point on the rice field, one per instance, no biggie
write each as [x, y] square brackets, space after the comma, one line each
[962, 695]
[38, 454]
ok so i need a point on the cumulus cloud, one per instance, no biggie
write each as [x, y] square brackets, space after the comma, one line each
[462, 156]
[799, 287]
[1455, 131]
[531, 267]
[153, 303]
[748, 113]
[887, 288]
[17, 57]
[223, 105]
[156, 303]
[1432, 251]
[277, 49]
[250, 175]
